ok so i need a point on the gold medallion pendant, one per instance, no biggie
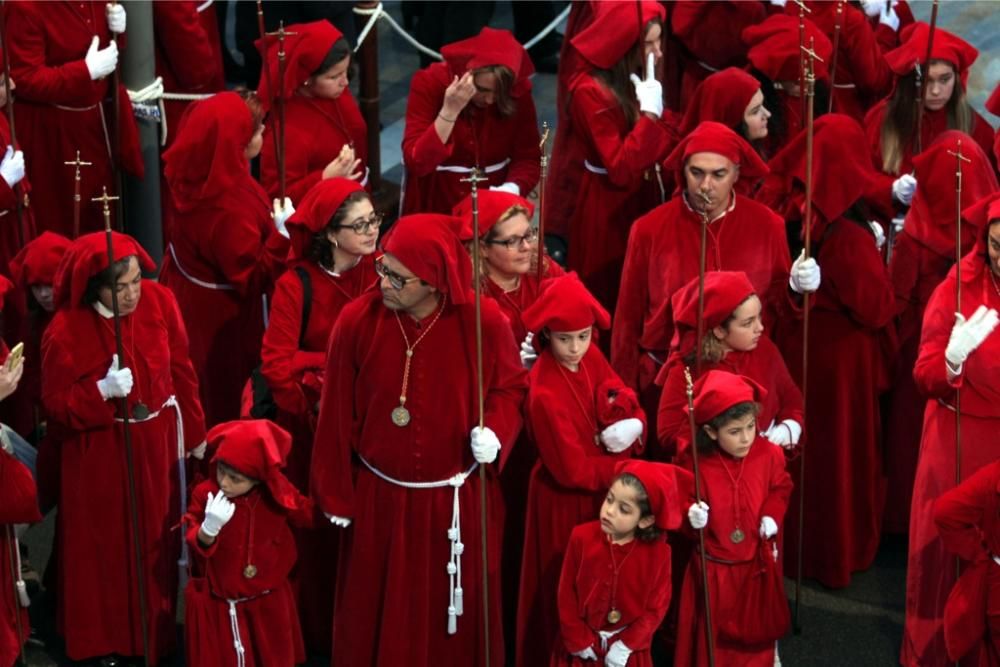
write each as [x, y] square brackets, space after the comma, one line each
[140, 412]
[614, 616]
[401, 416]
[736, 536]
[250, 571]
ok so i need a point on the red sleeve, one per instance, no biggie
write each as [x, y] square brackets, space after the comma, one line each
[779, 484]
[672, 425]
[185, 44]
[930, 371]
[853, 271]
[422, 148]
[281, 359]
[959, 513]
[525, 167]
[789, 396]
[863, 56]
[300, 144]
[639, 634]
[507, 381]
[8, 198]
[18, 495]
[249, 261]
[70, 393]
[630, 312]
[182, 373]
[575, 633]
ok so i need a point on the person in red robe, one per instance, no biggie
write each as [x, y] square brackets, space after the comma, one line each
[614, 585]
[83, 384]
[225, 249]
[993, 106]
[583, 421]
[472, 110]
[956, 353]
[325, 135]
[392, 456]
[923, 254]
[745, 491]
[239, 607]
[62, 56]
[887, 19]
[18, 504]
[15, 188]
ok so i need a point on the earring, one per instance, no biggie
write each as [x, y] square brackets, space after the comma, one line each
[335, 244]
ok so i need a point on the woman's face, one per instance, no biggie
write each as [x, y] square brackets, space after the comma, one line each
[44, 296]
[940, 85]
[256, 143]
[515, 260]
[745, 329]
[651, 44]
[993, 247]
[755, 116]
[330, 84]
[350, 241]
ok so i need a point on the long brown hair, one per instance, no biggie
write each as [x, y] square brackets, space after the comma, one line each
[506, 105]
[616, 79]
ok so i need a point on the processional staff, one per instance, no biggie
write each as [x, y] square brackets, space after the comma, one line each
[77, 163]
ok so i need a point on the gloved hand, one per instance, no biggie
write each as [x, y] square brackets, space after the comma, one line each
[281, 214]
[768, 528]
[969, 334]
[786, 434]
[115, 14]
[903, 189]
[879, 234]
[698, 515]
[117, 383]
[12, 167]
[339, 521]
[649, 91]
[512, 188]
[527, 352]
[805, 275]
[779, 3]
[872, 7]
[898, 223]
[887, 16]
[617, 655]
[619, 436]
[101, 62]
[218, 512]
[485, 444]
[586, 654]
[199, 451]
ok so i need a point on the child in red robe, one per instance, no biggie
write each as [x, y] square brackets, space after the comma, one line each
[615, 583]
[243, 551]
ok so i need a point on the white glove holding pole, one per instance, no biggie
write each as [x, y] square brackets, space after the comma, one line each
[12, 167]
[879, 234]
[117, 383]
[768, 528]
[619, 436]
[649, 91]
[281, 214]
[218, 512]
[115, 14]
[887, 16]
[199, 451]
[512, 188]
[339, 521]
[101, 62]
[617, 655]
[968, 334]
[698, 515]
[786, 434]
[903, 189]
[586, 654]
[805, 275]
[485, 444]
[898, 223]
[527, 352]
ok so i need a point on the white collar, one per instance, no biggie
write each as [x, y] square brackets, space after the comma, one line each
[103, 310]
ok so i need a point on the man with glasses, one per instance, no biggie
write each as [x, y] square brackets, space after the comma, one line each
[397, 453]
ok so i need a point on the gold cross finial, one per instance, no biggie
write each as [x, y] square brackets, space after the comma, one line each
[78, 162]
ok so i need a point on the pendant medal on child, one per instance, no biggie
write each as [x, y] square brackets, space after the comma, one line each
[140, 412]
[250, 571]
[736, 536]
[614, 616]
[401, 416]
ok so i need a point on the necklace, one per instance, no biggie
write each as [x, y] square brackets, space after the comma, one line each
[614, 615]
[737, 535]
[400, 415]
[250, 570]
[579, 401]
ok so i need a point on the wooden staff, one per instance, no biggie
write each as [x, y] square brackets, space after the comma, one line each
[77, 163]
[133, 504]
[280, 104]
[709, 632]
[22, 231]
[922, 76]
[116, 115]
[700, 326]
[836, 48]
[540, 268]
[474, 179]
[803, 10]
[12, 563]
[267, 70]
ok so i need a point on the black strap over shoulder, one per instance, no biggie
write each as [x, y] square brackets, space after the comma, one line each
[307, 297]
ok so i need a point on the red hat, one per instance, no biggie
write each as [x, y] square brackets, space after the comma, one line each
[38, 260]
[316, 210]
[712, 137]
[993, 104]
[86, 257]
[565, 305]
[980, 215]
[773, 47]
[717, 391]
[427, 245]
[491, 47]
[304, 53]
[724, 292]
[614, 30]
[667, 488]
[258, 449]
[492, 205]
[722, 97]
[912, 49]
[931, 218]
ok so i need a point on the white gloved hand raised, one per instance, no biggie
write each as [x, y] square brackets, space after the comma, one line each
[586, 654]
[527, 352]
[698, 515]
[903, 189]
[805, 275]
[879, 234]
[872, 7]
[649, 91]
[512, 188]
[887, 16]
[117, 383]
[768, 528]
[218, 512]
[115, 14]
[779, 3]
[12, 167]
[786, 434]
[617, 655]
[339, 521]
[485, 444]
[619, 436]
[199, 451]
[101, 62]
[969, 334]
[281, 214]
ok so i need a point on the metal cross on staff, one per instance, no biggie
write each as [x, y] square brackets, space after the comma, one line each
[544, 162]
[77, 163]
[803, 10]
[836, 47]
[281, 33]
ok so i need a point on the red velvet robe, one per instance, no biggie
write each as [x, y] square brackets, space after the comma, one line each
[13, 234]
[641, 595]
[59, 110]
[479, 137]
[392, 609]
[567, 485]
[268, 623]
[315, 131]
[514, 302]
[230, 240]
[18, 504]
[764, 490]
[98, 595]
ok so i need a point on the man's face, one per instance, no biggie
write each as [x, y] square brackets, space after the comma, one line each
[401, 290]
[710, 178]
[129, 288]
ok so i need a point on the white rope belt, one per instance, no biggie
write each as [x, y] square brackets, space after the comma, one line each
[594, 169]
[606, 635]
[234, 626]
[455, 606]
[19, 585]
[66, 108]
[196, 281]
[846, 86]
[706, 66]
[459, 169]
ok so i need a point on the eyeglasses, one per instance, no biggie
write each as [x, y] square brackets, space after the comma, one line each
[516, 241]
[397, 281]
[365, 225]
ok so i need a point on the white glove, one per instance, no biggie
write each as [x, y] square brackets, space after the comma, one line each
[101, 62]
[512, 188]
[872, 7]
[648, 90]
[778, 3]
[887, 16]
[527, 352]
[968, 334]
[199, 451]
[619, 436]
[768, 528]
[903, 189]
[898, 223]
[116, 17]
[879, 234]
[617, 655]
[805, 275]
[281, 214]
[218, 512]
[485, 444]
[586, 654]
[117, 383]
[786, 434]
[339, 521]
[12, 167]
[698, 515]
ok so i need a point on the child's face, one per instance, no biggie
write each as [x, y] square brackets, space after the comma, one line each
[735, 437]
[568, 347]
[232, 483]
[620, 513]
[746, 328]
